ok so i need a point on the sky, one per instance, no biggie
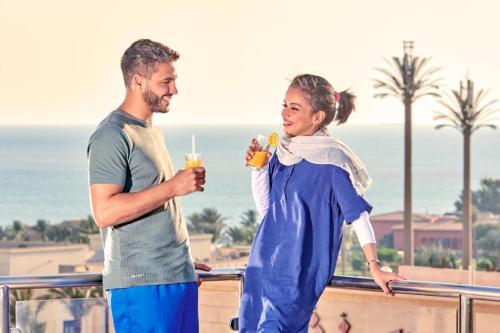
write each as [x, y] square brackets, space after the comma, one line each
[59, 59]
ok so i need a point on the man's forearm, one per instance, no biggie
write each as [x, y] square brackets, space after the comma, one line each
[124, 207]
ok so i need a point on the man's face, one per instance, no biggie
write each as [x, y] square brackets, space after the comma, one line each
[160, 88]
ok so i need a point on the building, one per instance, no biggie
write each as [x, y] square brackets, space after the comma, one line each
[41, 258]
[428, 229]
[201, 246]
[447, 234]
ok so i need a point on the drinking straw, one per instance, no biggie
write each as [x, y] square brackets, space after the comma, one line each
[193, 144]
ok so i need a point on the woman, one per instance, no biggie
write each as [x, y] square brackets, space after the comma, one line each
[308, 189]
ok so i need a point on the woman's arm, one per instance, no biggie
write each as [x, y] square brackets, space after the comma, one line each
[260, 180]
[260, 189]
[366, 237]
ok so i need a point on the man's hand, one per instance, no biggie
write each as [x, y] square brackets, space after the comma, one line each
[201, 267]
[188, 181]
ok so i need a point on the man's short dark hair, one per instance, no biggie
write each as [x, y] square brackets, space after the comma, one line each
[142, 57]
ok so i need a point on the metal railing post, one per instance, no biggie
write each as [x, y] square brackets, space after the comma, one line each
[465, 315]
[4, 309]
[241, 284]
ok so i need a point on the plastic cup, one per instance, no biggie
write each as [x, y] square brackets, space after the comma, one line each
[192, 160]
[259, 159]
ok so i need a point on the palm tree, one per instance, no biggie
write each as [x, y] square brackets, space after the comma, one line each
[236, 234]
[467, 113]
[249, 218]
[408, 79]
[209, 221]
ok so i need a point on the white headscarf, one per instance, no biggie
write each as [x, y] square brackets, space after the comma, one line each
[320, 148]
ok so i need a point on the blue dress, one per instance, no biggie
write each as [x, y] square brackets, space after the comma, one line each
[295, 250]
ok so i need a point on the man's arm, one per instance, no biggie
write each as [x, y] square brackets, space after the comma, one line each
[110, 206]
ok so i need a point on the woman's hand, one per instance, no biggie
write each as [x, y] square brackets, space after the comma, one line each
[254, 146]
[383, 278]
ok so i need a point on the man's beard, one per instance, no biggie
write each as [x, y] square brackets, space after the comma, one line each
[153, 101]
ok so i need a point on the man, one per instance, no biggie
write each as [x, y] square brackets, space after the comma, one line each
[148, 270]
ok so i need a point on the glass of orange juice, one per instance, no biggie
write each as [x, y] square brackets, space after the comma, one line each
[259, 159]
[192, 160]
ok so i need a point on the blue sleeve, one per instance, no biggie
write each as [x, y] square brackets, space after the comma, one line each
[272, 168]
[351, 204]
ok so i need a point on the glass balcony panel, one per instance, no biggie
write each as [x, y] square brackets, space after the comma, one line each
[218, 303]
[375, 313]
[77, 315]
[486, 316]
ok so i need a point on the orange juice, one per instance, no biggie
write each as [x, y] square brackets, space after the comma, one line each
[258, 160]
[192, 164]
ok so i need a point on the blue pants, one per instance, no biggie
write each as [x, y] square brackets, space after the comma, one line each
[167, 308]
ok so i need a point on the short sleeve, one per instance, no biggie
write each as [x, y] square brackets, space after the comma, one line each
[108, 153]
[351, 204]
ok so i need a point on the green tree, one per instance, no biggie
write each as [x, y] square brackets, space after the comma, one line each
[88, 226]
[490, 242]
[249, 219]
[58, 233]
[246, 233]
[19, 230]
[250, 224]
[41, 225]
[236, 234]
[484, 264]
[387, 241]
[357, 263]
[484, 235]
[407, 79]
[459, 203]
[482, 230]
[466, 113]
[17, 226]
[486, 199]
[208, 221]
[388, 255]
[435, 256]
[66, 232]
[488, 195]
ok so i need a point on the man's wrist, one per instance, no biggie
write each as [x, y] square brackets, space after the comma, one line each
[169, 190]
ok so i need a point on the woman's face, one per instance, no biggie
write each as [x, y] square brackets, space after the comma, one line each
[297, 114]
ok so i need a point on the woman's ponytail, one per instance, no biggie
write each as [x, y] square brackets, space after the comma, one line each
[344, 105]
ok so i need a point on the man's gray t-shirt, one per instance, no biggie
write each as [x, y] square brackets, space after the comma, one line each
[154, 248]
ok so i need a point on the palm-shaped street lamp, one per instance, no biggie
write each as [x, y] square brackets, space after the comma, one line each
[408, 79]
[467, 113]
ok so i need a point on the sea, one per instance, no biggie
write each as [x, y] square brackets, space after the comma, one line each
[43, 170]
